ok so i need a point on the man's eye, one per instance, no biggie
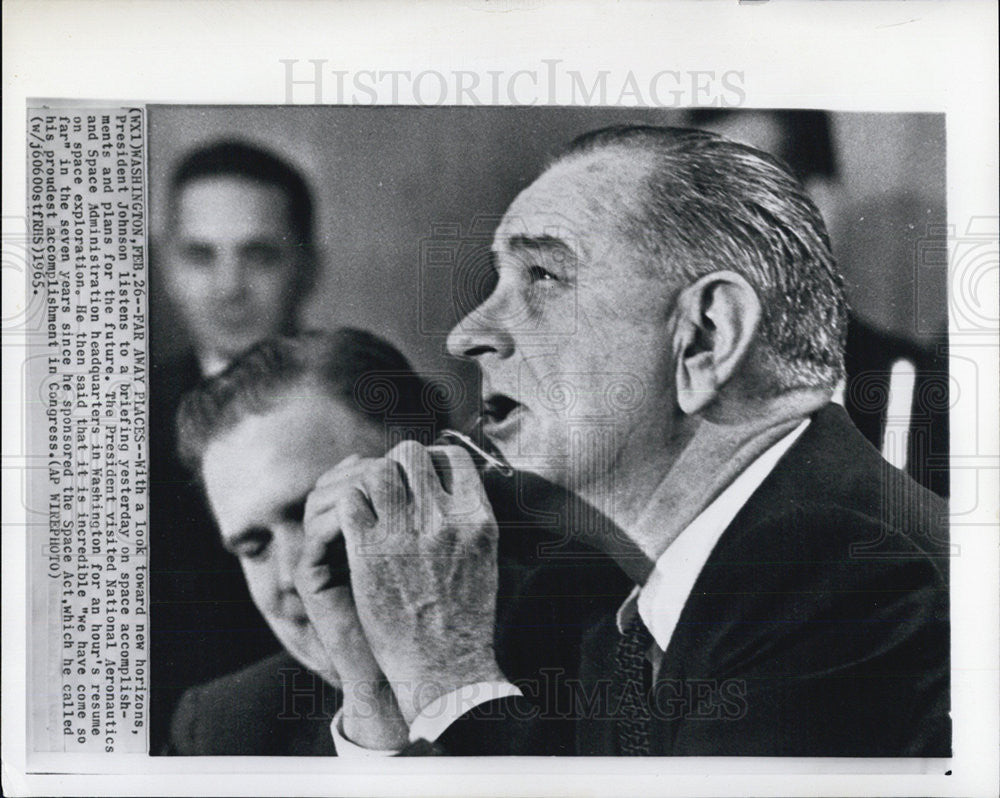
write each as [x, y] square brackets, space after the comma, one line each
[538, 275]
[252, 551]
[197, 254]
[252, 547]
[262, 255]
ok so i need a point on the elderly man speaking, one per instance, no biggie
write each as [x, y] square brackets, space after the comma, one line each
[663, 342]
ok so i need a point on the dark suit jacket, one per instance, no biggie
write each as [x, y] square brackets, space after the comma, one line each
[276, 707]
[818, 627]
[279, 708]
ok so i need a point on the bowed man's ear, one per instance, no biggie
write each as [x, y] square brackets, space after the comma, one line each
[717, 319]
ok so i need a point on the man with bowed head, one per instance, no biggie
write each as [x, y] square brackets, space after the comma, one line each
[790, 587]
[264, 437]
[258, 436]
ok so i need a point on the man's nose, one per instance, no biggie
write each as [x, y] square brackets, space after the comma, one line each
[487, 330]
[230, 276]
[288, 551]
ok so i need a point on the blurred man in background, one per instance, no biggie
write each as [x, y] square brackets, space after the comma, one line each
[236, 262]
[239, 256]
[258, 436]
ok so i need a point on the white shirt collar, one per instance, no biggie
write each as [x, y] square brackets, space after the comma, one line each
[661, 600]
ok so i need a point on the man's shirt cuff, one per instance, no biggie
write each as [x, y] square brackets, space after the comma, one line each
[438, 715]
[345, 748]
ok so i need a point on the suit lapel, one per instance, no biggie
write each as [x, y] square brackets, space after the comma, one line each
[698, 652]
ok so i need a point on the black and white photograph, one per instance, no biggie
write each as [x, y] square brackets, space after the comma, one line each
[724, 410]
[501, 397]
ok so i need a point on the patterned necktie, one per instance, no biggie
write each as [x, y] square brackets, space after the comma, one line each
[632, 671]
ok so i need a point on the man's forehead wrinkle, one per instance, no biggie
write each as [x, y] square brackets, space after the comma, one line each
[590, 197]
[541, 227]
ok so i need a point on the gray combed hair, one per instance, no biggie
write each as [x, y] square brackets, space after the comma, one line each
[708, 204]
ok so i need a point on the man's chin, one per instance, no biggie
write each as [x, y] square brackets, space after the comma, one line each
[528, 451]
[307, 652]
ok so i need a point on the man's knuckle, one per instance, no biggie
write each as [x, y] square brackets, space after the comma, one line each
[329, 477]
[370, 467]
[407, 449]
[373, 482]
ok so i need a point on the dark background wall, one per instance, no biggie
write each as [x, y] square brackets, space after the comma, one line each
[385, 177]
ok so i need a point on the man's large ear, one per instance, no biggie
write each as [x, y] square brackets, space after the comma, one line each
[717, 319]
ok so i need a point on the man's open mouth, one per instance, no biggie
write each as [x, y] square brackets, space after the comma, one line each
[499, 413]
